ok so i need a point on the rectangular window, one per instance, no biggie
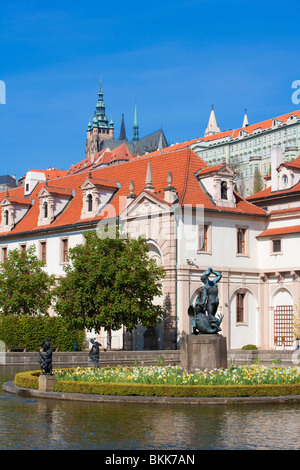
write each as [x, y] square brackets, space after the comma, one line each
[241, 241]
[64, 250]
[4, 254]
[43, 251]
[203, 238]
[240, 308]
[204, 244]
[276, 246]
[22, 247]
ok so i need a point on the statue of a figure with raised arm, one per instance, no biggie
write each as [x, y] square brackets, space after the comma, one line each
[204, 319]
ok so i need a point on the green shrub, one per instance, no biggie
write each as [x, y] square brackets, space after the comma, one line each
[249, 347]
[32, 331]
[224, 391]
[29, 379]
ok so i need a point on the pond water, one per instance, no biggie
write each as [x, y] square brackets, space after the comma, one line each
[47, 424]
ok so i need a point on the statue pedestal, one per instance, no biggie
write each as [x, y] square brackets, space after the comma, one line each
[46, 383]
[203, 351]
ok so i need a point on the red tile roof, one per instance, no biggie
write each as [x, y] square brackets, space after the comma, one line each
[266, 124]
[18, 200]
[104, 157]
[271, 232]
[268, 193]
[51, 173]
[293, 164]
[183, 164]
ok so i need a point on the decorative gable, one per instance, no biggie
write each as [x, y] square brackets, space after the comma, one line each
[96, 193]
[219, 182]
[145, 205]
[52, 202]
[13, 209]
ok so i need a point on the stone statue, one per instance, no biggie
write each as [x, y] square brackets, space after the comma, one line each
[94, 352]
[46, 358]
[203, 314]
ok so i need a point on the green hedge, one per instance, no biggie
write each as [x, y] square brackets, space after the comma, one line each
[31, 331]
[30, 380]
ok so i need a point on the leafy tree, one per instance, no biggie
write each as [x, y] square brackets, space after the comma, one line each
[110, 282]
[258, 184]
[25, 288]
[296, 321]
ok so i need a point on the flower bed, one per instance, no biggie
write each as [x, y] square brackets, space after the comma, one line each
[172, 375]
[250, 380]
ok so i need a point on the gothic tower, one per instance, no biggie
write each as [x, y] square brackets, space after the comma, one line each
[135, 135]
[99, 129]
[122, 131]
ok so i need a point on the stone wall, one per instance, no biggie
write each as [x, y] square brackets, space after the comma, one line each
[76, 359]
[172, 357]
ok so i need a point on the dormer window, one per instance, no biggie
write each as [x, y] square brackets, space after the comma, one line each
[218, 182]
[45, 210]
[96, 193]
[52, 202]
[6, 217]
[223, 189]
[285, 181]
[13, 209]
[89, 203]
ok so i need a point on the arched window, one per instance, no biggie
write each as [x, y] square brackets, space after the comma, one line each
[6, 218]
[89, 203]
[45, 210]
[223, 190]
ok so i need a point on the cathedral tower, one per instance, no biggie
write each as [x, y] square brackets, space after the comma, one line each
[99, 129]
[135, 135]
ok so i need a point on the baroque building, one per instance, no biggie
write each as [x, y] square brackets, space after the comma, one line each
[248, 149]
[193, 219]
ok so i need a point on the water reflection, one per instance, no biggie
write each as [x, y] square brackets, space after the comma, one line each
[27, 423]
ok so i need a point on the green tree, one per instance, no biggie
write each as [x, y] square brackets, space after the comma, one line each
[296, 321]
[258, 184]
[110, 282]
[25, 288]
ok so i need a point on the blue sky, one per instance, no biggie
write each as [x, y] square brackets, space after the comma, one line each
[175, 58]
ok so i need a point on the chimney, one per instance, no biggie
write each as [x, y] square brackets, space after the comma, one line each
[276, 160]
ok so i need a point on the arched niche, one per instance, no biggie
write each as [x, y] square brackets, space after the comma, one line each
[282, 316]
[243, 318]
[155, 252]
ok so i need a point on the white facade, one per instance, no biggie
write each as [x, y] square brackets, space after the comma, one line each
[248, 149]
[191, 223]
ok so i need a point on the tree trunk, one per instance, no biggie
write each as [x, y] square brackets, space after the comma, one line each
[108, 341]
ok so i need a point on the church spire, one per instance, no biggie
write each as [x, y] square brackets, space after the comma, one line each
[122, 131]
[101, 119]
[245, 121]
[212, 126]
[135, 136]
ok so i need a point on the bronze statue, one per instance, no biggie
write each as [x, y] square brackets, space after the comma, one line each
[203, 314]
[94, 352]
[46, 358]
